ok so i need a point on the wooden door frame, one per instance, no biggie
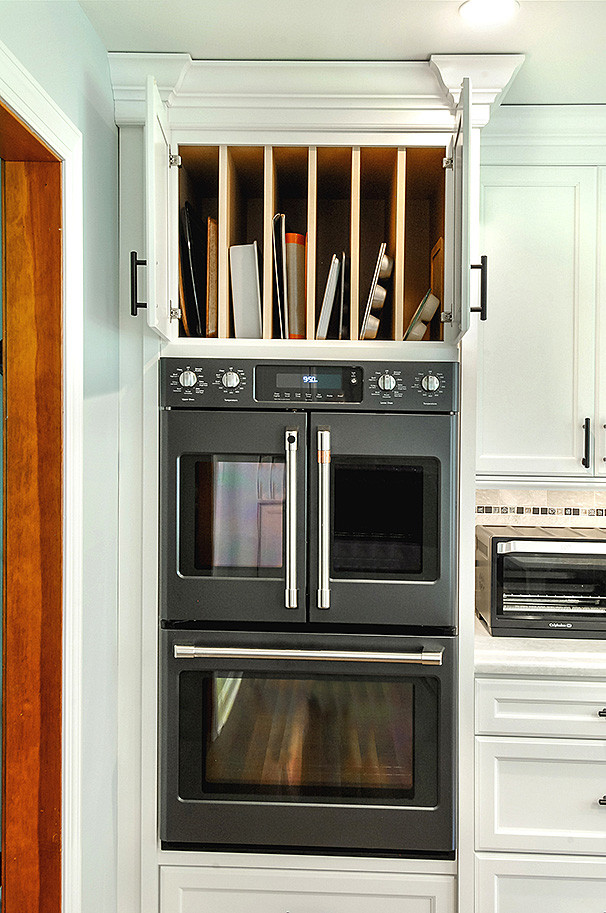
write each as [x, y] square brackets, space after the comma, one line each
[28, 101]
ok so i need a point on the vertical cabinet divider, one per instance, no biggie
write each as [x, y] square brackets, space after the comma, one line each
[226, 214]
[310, 266]
[398, 245]
[354, 270]
[269, 209]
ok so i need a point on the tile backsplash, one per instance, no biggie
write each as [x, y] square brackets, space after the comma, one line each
[529, 507]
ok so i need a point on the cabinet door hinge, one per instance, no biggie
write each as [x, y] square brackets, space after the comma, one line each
[175, 313]
[447, 162]
[174, 160]
[446, 317]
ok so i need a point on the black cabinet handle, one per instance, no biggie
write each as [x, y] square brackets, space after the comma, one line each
[483, 267]
[602, 712]
[134, 294]
[587, 443]
[602, 801]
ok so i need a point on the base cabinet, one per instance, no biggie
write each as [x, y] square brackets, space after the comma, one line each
[198, 890]
[510, 884]
[539, 800]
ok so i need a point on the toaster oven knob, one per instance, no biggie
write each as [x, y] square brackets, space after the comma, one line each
[230, 380]
[430, 382]
[387, 381]
[188, 379]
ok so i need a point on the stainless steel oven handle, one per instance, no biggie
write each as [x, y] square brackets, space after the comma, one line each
[421, 657]
[291, 443]
[323, 519]
[540, 546]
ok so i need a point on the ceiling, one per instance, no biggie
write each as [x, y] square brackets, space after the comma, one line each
[564, 40]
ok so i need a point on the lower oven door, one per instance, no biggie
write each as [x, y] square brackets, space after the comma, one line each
[308, 742]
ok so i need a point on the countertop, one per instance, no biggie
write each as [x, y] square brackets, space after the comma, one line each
[548, 656]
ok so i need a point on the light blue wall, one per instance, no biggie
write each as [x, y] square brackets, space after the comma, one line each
[55, 42]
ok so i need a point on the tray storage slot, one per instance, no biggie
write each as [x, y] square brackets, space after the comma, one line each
[424, 234]
[199, 192]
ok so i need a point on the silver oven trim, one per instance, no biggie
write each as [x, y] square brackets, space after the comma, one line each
[540, 546]
[421, 657]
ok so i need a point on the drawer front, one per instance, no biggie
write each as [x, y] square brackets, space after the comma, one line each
[198, 890]
[541, 795]
[558, 709]
[513, 884]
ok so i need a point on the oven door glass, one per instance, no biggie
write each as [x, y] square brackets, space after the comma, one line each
[308, 738]
[232, 515]
[385, 518]
[555, 585]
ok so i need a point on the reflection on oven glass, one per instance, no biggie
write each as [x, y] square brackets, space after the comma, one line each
[239, 509]
[309, 736]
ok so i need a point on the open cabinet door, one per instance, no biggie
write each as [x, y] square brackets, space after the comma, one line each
[157, 152]
[458, 249]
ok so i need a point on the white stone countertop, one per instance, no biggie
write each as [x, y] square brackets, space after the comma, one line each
[548, 656]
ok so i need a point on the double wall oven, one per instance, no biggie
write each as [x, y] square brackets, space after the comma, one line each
[308, 605]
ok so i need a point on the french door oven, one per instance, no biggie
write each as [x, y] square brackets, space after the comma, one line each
[332, 516]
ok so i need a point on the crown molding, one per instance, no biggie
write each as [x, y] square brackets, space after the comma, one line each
[390, 95]
[490, 76]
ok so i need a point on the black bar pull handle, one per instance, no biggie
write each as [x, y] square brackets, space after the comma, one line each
[602, 712]
[587, 443]
[483, 267]
[602, 801]
[134, 294]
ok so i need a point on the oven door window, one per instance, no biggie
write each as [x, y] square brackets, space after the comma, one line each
[385, 518]
[318, 738]
[554, 585]
[231, 516]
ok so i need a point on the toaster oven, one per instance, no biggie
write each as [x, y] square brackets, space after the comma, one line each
[548, 582]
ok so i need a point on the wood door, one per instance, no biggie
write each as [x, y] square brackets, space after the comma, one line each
[32, 624]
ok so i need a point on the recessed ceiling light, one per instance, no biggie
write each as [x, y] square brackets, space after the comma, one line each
[488, 12]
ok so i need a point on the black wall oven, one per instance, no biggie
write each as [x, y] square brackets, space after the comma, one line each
[308, 605]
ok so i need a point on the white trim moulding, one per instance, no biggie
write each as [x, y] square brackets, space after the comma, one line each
[23, 95]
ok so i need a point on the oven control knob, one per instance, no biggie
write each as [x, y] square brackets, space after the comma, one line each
[230, 380]
[188, 379]
[430, 383]
[387, 381]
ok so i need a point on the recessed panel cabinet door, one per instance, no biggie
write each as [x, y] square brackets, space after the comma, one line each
[536, 358]
[458, 246]
[157, 150]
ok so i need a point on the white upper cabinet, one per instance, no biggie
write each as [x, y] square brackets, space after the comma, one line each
[354, 154]
[157, 164]
[537, 412]
[458, 222]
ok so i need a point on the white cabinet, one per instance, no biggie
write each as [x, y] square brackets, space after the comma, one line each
[540, 777]
[512, 884]
[541, 795]
[247, 140]
[541, 708]
[537, 350]
[198, 890]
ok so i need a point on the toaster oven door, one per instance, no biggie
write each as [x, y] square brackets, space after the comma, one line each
[551, 585]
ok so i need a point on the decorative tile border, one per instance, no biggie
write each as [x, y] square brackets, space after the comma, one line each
[540, 508]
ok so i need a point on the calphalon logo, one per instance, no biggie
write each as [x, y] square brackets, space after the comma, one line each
[559, 624]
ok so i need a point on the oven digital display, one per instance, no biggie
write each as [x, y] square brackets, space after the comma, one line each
[308, 383]
[325, 381]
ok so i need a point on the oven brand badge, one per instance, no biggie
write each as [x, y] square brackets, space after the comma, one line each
[560, 624]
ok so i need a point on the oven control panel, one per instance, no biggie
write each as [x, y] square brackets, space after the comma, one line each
[211, 383]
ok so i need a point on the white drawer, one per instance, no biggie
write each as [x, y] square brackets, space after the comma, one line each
[512, 884]
[541, 795]
[525, 707]
[187, 889]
